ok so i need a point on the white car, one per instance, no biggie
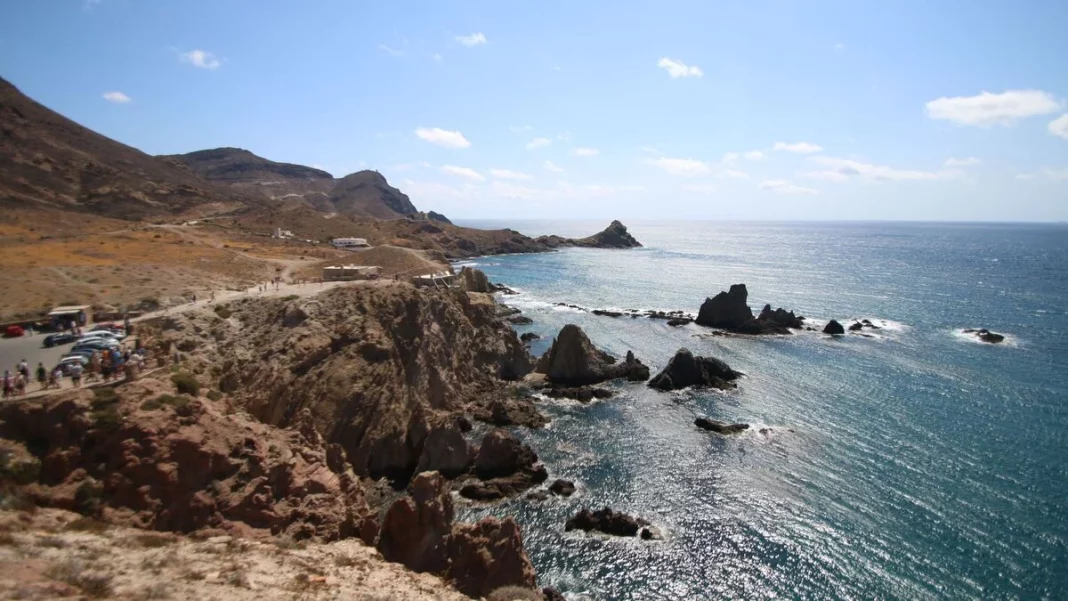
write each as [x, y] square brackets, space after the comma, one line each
[101, 334]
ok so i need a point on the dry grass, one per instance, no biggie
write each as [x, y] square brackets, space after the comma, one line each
[95, 585]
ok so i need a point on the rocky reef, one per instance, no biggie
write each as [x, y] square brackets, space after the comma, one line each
[574, 361]
[685, 370]
[730, 311]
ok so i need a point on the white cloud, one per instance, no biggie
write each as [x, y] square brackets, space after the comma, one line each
[507, 174]
[520, 128]
[843, 169]
[683, 167]
[471, 40]
[116, 97]
[1057, 175]
[585, 152]
[201, 59]
[437, 58]
[968, 162]
[433, 191]
[677, 68]
[730, 158]
[442, 137]
[1059, 126]
[754, 155]
[732, 174]
[390, 51]
[780, 186]
[538, 143]
[551, 166]
[463, 172]
[988, 109]
[564, 137]
[798, 147]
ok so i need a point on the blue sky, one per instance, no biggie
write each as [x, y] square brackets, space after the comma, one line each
[946, 110]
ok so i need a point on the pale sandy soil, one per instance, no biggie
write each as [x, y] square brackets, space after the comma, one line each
[54, 554]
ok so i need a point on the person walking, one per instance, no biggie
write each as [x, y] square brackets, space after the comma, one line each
[76, 374]
[42, 375]
[8, 384]
[54, 378]
[24, 369]
[20, 385]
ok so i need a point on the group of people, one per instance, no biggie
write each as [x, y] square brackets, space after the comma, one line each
[103, 366]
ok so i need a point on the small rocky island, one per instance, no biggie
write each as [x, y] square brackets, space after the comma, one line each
[730, 311]
[985, 335]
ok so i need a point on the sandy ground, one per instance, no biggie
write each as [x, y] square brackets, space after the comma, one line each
[54, 554]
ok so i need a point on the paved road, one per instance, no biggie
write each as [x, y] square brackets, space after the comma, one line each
[30, 348]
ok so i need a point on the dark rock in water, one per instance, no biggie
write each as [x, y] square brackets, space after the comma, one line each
[505, 467]
[505, 290]
[583, 394]
[726, 310]
[720, 427]
[607, 521]
[574, 361]
[988, 336]
[431, 215]
[529, 336]
[833, 327]
[780, 317]
[676, 322]
[463, 424]
[856, 326]
[538, 495]
[562, 488]
[506, 311]
[868, 324]
[519, 320]
[551, 594]
[613, 236]
[512, 412]
[649, 534]
[684, 370]
[605, 313]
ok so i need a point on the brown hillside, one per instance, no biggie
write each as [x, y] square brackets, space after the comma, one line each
[51, 161]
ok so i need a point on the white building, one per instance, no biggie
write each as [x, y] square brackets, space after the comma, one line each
[281, 233]
[350, 242]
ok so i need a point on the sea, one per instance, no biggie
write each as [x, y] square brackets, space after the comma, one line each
[911, 463]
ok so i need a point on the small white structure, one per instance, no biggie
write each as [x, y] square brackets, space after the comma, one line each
[443, 279]
[281, 233]
[345, 273]
[350, 242]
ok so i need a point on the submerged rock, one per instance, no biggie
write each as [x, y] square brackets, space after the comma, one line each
[833, 328]
[685, 370]
[676, 322]
[574, 361]
[562, 488]
[607, 521]
[986, 335]
[719, 427]
[529, 337]
[519, 320]
[856, 326]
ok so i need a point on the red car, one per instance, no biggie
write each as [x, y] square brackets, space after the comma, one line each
[13, 332]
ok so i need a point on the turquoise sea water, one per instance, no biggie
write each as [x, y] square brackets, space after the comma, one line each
[917, 464]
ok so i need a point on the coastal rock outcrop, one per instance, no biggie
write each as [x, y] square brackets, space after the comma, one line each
[418, 531]
[562, 488]
[685, 370]
[613, 236]
[985, 335]
[834, 328]
[608, 521]
[474, 280]
[574, 361]
[505, 467]
[730, 311]
[511, 412]
[719, 427]
[445, 450]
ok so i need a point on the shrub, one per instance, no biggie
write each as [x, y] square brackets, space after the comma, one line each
[102, 397]
[73, 572]
[185, 383]
[152, 541]
[223, 311]
[106, 417]
[87, 497]
[84, 524]
[165, 400]
[215, 395]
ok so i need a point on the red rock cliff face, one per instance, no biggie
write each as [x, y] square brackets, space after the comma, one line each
[377, 366]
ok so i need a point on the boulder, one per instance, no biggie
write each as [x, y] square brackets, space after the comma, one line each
[519, 320]
[780, 317]
[574, 361]
[512, 412]
[488, 555]
[727, 310]
[833, 328]
[502, 454]
[416, 527]
[685, 370]
[719, 427]
[445, 450]
[582, 394]
[529, 337]
[606, 313]
[474, 280]
[562, 488]
[551, 594]
[986, 335]
[607, 521]
[676, 322]
[856, 326]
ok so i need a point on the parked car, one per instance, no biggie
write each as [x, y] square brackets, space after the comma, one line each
[84, 352]
[102, 335]
[96, 345]
[13, 331]
[61, 338]
[65, 363]
[108, 327]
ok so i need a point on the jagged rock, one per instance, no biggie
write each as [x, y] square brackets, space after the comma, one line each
[519, 320]
[780, 317]
[474, 280]
[868, 324]
[582, 394]
[502, 454]
[538, 495]
[856, 326]
[529, 337]
[606, 313]
[416, 527]
[512, 412]
[574, 361]
[727, 310]
[505, 290]
[685, 370]
[488, 555]
[719, 427]
[676, 322]
[551, 594]
[986, 335]
[445, 450]
[833, 328]
[431, 215]
[506, 311]
[562, 488]
[607, 521]
[613, 236]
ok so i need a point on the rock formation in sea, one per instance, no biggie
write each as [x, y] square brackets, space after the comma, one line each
[833, 328]
[474, 280]
[730, 311]
[986, 335]
[574, 361]
[685, 370]
[608, 521]
[613, 236]
[719, 427]
[504, 467]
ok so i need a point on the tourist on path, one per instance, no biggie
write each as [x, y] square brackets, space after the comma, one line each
[76, 374]
[42, 375]
[8, 384]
